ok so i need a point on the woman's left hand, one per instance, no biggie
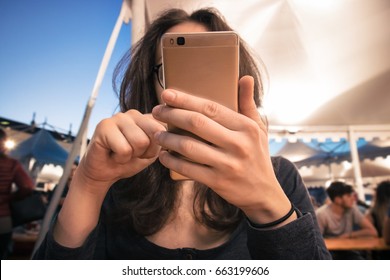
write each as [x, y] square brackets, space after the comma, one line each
[235, 160]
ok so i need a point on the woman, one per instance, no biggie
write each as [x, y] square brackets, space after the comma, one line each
[122, 203]
[378, 216]
[11, 172]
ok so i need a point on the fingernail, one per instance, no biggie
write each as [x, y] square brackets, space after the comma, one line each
[156, 111]
[168, 95]
[157, 135]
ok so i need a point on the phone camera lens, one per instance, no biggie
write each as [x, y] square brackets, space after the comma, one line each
[181, 41]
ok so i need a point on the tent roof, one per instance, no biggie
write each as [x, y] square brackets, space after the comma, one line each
[317, 153]
[19, 131]
[328, 61]
[42, 147]
[297, 151]
[368, 169]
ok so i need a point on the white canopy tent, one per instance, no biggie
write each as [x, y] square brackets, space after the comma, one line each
[333, 55]
[328, 64]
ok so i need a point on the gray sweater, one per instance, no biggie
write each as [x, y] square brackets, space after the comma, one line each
[300, 239]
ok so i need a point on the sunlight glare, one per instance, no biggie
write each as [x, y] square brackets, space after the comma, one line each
[9, 144]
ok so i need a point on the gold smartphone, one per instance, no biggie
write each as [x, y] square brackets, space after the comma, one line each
[204, 64]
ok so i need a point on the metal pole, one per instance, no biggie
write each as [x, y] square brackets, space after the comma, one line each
[138, 22]
[356, 164]
[81, 135]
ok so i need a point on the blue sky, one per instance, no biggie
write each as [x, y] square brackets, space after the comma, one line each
[50, 53]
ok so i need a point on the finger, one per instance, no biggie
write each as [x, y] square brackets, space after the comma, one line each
[132, 132]
[189, 147]
[114, 143]
[150, 116]
[246, 103]
[150, 127]
[198, 172]
[193, 122]
[138, 131]
[217, 112]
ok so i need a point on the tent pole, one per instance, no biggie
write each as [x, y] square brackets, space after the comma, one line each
[138, 22]
[331, 175]
[81, 135]
[356, 164]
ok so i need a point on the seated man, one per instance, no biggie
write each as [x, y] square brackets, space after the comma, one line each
[341, 218]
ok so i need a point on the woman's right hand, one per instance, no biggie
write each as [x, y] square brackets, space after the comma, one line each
[121, 146]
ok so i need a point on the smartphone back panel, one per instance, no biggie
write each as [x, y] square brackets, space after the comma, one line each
[203, 64]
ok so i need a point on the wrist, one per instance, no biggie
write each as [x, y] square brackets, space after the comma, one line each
[89, 186]
[285, 219]
[263, 211]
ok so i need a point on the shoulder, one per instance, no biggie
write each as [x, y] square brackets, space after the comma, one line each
[284, 169]
[7, 159]
[324, 214]
[356, 212]
[323, 210]
[292, 184]
[282, 164]
[287, 174]
[9, 163]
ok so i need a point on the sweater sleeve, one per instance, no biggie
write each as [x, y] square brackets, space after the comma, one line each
[52, 250]
[92, 248]
[300, 239]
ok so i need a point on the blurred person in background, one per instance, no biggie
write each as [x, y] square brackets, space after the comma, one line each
[342, 218]
[379, 216]
[386, 229]
[11, 172]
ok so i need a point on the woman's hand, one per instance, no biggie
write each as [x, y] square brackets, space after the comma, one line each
[234, 161]
[121, 146]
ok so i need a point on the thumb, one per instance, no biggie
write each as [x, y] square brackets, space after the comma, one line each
[246, 103]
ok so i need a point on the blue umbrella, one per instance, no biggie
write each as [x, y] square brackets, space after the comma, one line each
[43, 148]
[317, 153]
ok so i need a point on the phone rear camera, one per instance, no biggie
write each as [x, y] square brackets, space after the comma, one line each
[181, 41]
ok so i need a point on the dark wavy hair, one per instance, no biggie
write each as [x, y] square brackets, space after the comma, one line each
[147, 199]
[381, 205]
[338, 189]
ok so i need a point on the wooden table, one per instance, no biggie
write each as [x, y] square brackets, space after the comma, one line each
[24, 237]
[23, 245]
[363, 243]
